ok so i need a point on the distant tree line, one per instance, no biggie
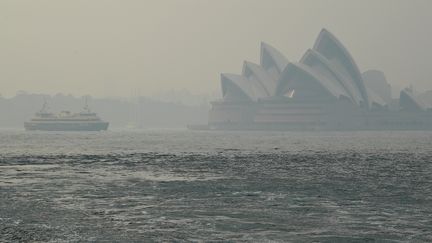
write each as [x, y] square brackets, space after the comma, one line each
[141, 112]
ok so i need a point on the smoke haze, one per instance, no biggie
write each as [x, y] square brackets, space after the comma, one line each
[108, 48]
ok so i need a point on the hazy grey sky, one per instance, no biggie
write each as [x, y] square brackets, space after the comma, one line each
[109, 48]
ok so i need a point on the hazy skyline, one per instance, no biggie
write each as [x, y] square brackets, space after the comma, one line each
[109, 48]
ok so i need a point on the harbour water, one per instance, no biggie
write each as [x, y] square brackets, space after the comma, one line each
[185, 186]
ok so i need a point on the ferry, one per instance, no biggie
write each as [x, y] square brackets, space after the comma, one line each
[85, 120]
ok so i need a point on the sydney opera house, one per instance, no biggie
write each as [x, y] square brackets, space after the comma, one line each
[325, 90]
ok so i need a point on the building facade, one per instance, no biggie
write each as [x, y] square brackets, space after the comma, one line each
[325, 90]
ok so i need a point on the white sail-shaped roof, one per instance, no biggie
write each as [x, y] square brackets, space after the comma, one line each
[272, 60]
[327, 70]
[257, 74]
[376, 81]
[409, 101]
[332, 49]
[236, 87]
[303, 79]
[375, 99]
[324, 69]
[233, 84]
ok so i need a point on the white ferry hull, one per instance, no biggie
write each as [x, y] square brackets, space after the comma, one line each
[66, 126]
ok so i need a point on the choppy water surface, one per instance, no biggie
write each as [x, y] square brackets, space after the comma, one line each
[199, 186]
